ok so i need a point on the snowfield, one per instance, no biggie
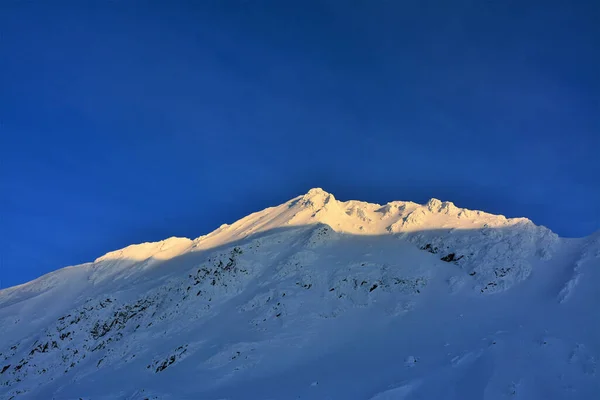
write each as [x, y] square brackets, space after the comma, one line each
[317, 299]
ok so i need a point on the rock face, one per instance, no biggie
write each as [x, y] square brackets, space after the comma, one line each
[377, 288]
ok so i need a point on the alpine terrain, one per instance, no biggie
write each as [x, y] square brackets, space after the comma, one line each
[317, 299]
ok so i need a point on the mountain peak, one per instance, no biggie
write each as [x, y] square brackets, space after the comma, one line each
[317, 197]
[318, 206]
[316, 191]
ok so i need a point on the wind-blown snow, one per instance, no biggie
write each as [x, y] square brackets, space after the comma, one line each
[315, 299]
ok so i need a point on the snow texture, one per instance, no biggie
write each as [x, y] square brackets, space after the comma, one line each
[317, 299]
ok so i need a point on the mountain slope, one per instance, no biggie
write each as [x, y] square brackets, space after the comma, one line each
[317, 298]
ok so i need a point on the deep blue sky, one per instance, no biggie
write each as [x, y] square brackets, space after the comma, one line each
[124, 123]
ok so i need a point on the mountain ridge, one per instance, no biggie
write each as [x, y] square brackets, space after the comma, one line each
[321, 202]
[315, 298]
[317, 200]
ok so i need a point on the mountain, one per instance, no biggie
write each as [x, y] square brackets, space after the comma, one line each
[317, 299]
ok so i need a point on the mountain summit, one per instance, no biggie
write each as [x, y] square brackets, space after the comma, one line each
[361, 218]
[317, 299]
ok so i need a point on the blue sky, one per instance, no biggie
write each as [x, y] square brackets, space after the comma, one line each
[123, 122]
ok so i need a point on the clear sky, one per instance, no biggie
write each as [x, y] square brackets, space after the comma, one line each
[123, 122]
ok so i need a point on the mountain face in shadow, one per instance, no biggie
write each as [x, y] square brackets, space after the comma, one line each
[316, 299]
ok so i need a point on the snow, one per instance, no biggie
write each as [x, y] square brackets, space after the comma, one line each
[317, 299]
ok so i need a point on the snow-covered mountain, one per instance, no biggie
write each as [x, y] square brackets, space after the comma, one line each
[317, 299]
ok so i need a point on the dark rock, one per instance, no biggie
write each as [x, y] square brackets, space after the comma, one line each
[451, 257]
